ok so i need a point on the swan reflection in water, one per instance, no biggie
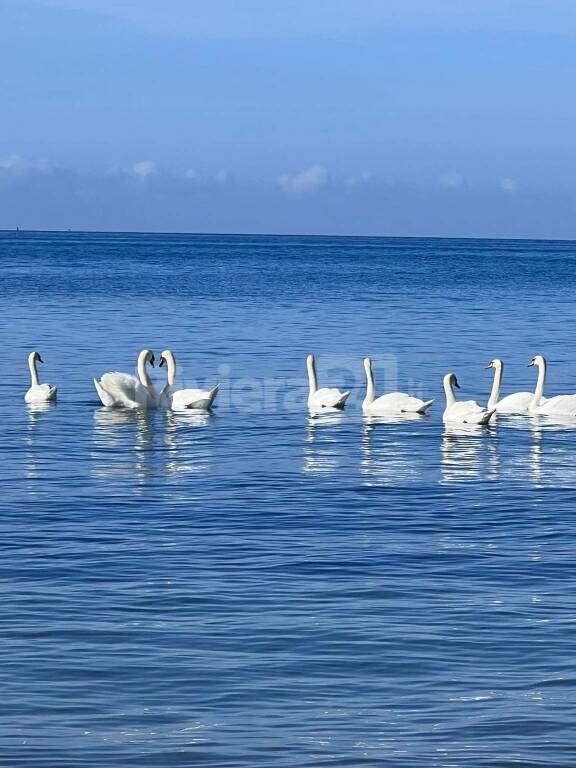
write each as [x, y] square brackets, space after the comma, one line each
[187, 448]
[469, 452]
[321, 454]
[123, 443]
[387, 460]
[550, 460]
[36, 412]
[143, 443]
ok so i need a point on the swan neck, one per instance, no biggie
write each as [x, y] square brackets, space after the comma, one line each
[370, 390]
[312, 382]
[496, 384]
[539, 391]
[33, 371]
[170, 369]
[449, 392]
[145, 379]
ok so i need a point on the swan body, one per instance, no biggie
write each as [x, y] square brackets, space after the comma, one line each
[122, 390]
[519, 402]
[462, 411]
[561, 405]
[325, 397]
[183, 399]
[393, 402]
[38, 393]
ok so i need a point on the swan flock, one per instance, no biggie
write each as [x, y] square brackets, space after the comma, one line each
[124, 390]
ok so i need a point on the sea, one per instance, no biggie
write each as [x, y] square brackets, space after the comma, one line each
[261, 587]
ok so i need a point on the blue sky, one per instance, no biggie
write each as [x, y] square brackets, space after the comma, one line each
[401, 117]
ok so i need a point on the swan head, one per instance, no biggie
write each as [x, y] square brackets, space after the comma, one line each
[450, 380]
[496, 363]
[368, 363]
[147, 356]
[34, 357]
[538, 361]
[165, 357]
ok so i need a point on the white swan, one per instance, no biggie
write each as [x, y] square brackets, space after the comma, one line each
[463, 411]
[393, 402]
[183, 399]
[561, 405]
[519, 402]
[324, 397]
[38, 393]
[122, 390]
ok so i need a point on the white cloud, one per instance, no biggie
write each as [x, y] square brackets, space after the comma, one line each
[15, 163]
[306, 182]
[509, 185]
[144, 168]
[452, 180]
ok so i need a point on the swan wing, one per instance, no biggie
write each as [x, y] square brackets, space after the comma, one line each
[519, 402]
[399, 402]
[561, 405]
[105, 397]
[122, 389]
[328, 398]
[40, 393]
[193, 399]
[467, 412]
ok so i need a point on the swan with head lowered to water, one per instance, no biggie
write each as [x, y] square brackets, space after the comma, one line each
[122, 390]
[325, 397]
[183, 399]
[462, 411]
[393, 402]
[561, 405]
[38, 393]
[519, 402]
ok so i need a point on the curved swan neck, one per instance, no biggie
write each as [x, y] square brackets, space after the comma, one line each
[449, 390]
[145, 379]
[539, 391]
[312, 382]
[370, 390]
[496, 384]
[170, 367]
[32, 363]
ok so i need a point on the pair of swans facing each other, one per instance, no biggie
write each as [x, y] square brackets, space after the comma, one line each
[122, 390]
[531, 403]
[332, 399]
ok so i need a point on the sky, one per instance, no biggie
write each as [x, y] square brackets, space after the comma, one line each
[378, 117]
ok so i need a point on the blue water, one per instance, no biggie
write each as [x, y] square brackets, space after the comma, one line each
[263, 588]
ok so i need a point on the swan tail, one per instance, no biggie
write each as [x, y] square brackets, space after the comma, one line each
[341, 402]
[203, 403]
[212, 395]
[486, 419]
[425, 406]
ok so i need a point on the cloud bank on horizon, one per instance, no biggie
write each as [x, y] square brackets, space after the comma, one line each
[402, 118]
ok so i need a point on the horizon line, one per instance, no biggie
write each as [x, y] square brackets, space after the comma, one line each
[280, 234]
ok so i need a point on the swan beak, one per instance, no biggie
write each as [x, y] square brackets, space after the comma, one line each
[456, 384]
[531, 364]
[162, 361]
[489, 366]
[39, 359]
[152, 361]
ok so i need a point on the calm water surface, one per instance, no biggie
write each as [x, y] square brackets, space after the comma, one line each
[263, 588]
